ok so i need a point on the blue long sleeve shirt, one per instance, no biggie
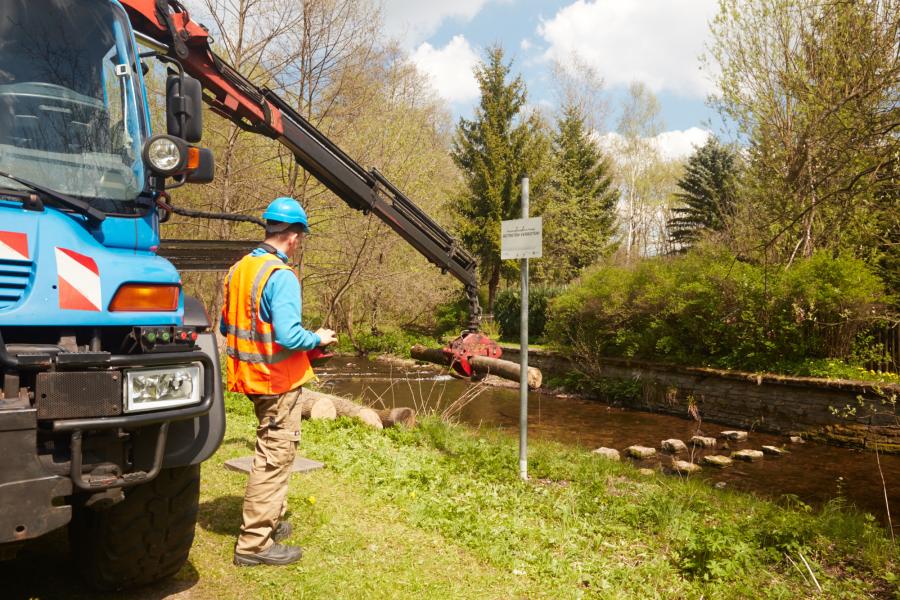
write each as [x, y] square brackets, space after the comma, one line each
[282, 307]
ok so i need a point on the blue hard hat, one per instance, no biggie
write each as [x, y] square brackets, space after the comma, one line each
[286, 210]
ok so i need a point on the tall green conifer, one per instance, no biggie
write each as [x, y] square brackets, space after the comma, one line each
[494, 151]
[579, 213]
[707, 193]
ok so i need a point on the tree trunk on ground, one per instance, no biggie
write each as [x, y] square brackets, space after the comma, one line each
[397, 416]
[482, 365]
[348, 408]
[317, 407]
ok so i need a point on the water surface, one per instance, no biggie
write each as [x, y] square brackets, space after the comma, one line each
[813, 472]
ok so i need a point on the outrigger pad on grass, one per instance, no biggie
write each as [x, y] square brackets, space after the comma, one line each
[301, 465]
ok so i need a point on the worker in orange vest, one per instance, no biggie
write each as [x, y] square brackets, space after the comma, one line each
[266, 347]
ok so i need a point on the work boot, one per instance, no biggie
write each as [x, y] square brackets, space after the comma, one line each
[282, 532]
[276, 554]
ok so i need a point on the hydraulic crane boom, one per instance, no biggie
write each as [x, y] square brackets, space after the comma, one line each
[260, 110]
[232, 96]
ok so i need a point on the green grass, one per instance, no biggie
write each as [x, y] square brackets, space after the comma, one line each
[438, 512]
[831, 368]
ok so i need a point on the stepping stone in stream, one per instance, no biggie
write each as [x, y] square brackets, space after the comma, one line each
[699, 441]
[673, 446]
[685, 467]
[607, 453]
[774, 450]
[717, 460]
[796, 439]
[747, 455]
[737, 436]
[640, 451]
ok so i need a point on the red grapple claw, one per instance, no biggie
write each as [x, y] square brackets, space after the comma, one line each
[466, 346]
[318, 355]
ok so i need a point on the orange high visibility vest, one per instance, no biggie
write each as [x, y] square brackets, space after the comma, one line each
[256, 363]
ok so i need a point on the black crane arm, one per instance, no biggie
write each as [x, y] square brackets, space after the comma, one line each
[258, 109]
[372, 192]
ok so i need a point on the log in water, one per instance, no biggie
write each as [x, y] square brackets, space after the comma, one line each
[482, 365]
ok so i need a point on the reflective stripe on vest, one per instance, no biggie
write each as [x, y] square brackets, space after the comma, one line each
[254, 357]
[247, 334]
[256, 363]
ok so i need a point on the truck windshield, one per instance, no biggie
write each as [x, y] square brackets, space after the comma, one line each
[71, 104]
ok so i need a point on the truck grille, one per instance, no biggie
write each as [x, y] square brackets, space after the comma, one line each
[14, 278]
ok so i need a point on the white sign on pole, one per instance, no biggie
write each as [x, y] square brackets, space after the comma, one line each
[521, 238]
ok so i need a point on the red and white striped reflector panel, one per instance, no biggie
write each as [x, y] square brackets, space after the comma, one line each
[13, 245]
[79, 281]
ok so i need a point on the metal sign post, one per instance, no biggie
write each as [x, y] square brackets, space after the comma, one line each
[523, 353]
[522, 239]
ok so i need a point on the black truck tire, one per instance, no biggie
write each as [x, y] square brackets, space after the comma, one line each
[142, 539]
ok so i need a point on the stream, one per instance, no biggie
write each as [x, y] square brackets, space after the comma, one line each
[813, 472]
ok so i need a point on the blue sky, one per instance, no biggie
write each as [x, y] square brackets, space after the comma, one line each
[657, 42]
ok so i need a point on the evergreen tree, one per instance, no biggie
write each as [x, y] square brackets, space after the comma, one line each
[494, 151]
[579, 213]
[707, 192]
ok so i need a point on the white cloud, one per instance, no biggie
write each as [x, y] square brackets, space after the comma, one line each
[525, 44]
[412, 21]
[671, 145]
[675, 145]
[450, 69]
[657, 42]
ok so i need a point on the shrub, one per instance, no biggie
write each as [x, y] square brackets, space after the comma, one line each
[451, 317]
[507, 311]
[389, 341]
[708, 308]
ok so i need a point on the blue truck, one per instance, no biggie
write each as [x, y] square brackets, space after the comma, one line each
[111, 380]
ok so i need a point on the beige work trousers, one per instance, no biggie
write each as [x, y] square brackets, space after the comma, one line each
[265, 501]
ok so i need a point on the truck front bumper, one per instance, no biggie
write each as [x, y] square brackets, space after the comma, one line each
[35, 495]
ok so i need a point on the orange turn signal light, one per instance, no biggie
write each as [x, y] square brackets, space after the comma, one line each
[193, 158]
[145, 297]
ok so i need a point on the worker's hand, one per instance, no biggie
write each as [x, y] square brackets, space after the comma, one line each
[327, 336]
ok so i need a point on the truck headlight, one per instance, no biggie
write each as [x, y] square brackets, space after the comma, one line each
[167, 387]
[166, 155]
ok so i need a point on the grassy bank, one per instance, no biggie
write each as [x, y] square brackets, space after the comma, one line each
[437, 512]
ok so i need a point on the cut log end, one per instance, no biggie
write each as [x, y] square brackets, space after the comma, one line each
[370, 418]
[397, 416]
[318, 407]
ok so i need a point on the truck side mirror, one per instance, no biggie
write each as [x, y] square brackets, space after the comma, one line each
[184, 114]
[205, 172]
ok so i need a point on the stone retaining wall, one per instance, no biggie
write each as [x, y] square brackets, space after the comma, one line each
[766, 402]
